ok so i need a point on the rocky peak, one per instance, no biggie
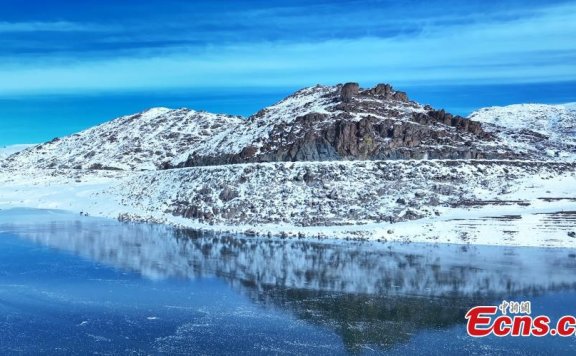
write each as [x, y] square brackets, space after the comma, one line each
[348, 91]
[320, 123]
[346, 122]
[381, 89]
[386, 92]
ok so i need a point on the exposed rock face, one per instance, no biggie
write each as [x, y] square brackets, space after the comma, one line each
[348, 91]
[347, 123]
[385, 91]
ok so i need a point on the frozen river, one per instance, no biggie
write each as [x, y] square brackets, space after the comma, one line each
[72, 284]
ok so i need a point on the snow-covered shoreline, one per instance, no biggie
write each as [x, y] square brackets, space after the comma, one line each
[513, 203]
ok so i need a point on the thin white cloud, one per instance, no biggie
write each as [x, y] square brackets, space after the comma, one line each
[470, 53]
[57, 26]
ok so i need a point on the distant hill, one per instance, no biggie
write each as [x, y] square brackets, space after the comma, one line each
[533, 128]
[142, 141]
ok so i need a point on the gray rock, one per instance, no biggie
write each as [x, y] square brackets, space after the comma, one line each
[384, 132]
[228, 194]
[348, 91]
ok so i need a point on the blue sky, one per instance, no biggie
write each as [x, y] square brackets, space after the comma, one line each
[66, 65]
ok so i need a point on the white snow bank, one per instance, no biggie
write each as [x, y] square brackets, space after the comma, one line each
[465, 202]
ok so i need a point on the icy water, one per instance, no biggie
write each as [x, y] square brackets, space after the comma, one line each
[78, 285]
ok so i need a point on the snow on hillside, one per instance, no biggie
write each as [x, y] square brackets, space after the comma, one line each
[160, 136]
[279, 119]
[525, 203]
[7, 151]
[553, 126]
[554, 121]
[416, 200]
[320, 123]
[370, 164]
[235, 138]
[136, 142]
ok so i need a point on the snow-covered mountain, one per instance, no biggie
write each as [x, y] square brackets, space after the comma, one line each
[143, 141]
[7, 151]
[320, 123]
[346, 122]
[336, 161]
[533, 128]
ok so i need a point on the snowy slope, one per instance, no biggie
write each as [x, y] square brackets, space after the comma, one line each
[7, 151]
[136, 142]
[554, 121]
[527, 203]
[533, 127]
[424, 200]
[316, 124]
[258, 128]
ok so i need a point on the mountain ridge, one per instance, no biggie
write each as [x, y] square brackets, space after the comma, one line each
[344, 122]
[319, 123]
[140, 141]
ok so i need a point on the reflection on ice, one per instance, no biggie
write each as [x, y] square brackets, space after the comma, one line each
[370, 293]
[159, 252]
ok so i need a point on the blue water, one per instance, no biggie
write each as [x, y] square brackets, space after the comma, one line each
[78, 285]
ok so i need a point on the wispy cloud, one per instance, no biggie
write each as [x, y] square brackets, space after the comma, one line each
[533, 44]
[58, 26]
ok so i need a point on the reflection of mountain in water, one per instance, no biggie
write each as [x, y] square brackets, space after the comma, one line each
[370, 293]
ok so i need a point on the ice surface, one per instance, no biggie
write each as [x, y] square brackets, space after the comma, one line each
[77, 285]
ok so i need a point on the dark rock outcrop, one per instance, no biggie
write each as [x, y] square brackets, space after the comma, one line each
[386, 92]
[372, 124]
[321, 123]
[348, 91]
